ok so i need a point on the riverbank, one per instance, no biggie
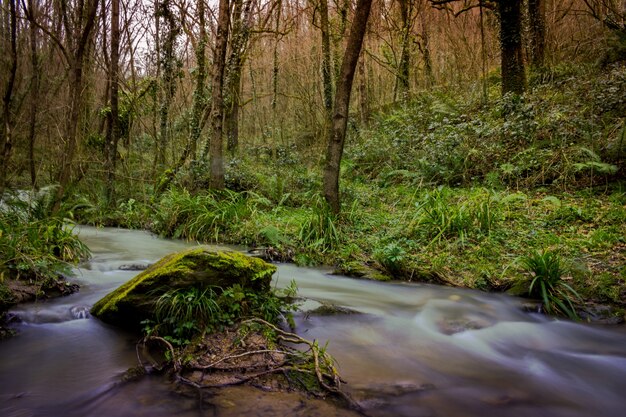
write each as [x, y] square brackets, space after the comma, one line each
[443, 188]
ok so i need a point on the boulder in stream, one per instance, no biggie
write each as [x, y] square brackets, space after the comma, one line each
[200, 267]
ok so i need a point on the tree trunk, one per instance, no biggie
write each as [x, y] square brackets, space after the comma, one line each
[327, 81]
[341, 107]
[82, 35]
[424, 46]
[364, 107]
[513, 70]
[6, 124]
[239, 44]
[402, 78]
[169, 80]
[536, 16]
[199, 94]
[34, 92]
[216, 179]
[111, 156]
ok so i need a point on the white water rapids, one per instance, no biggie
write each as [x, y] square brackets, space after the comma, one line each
[415, 350]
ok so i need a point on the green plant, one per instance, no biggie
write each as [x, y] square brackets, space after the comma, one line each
[35, 246]
[392, 257]
[440, 218]
[181, 314]
[547, 284]
[319, 231]
[184, 312]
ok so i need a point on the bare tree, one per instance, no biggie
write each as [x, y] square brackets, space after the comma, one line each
[341, 107]
[511, 52]
[78, 24]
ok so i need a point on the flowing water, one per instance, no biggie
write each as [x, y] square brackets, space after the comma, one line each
[414, 350]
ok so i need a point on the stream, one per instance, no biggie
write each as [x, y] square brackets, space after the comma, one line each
[414, 350]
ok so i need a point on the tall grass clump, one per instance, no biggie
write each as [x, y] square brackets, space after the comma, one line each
[547, 283]
[183, 313]
[319, 230]
[437, 217]
[207, 216]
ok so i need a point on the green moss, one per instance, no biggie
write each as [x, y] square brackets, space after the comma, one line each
[201, 267]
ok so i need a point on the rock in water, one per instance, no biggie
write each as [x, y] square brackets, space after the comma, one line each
[201, 267]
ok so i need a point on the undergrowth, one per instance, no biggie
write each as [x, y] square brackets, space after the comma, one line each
[442, 188]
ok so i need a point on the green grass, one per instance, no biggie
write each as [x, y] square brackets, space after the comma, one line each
[440, 188]
[34, 245]
[547, 283]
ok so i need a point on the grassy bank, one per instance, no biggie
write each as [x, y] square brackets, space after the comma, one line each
[443, 188]
[36, 250]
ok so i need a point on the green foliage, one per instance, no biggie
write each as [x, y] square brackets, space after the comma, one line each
[392, 257]
[594, 163]
[438, 217]
[319, 231]
[182, 314]
[205, 216]
[34, 245]
[547, 284]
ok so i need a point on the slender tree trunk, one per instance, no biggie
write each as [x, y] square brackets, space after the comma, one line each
[34, 104]
[239, 44]
[402, 80]
[6, 128]
[483, 53]
[425, 49]
[169, 80]
[111, 156]
[76, 67]
[342, 105]
[216, 179]
[364, 108]
[536, 16]
[513, 69]
[327, 81]
[199, 95]
[275, 69]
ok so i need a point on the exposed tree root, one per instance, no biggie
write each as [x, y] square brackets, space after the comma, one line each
[231, 359]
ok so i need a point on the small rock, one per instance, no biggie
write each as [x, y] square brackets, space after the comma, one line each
[133, 267]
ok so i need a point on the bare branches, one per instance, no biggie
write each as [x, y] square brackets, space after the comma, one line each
[467, 5]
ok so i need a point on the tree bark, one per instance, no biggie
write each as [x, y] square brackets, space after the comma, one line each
[6, 124]
[111, 156]
[34, 104]
[341, 106]
[239, 44]
[512, 62]
[216, 178]
[536, 16]
[327, 82]
[364, 107]
[169, 79]
[82, 35]
[402, 79]
[199, 94]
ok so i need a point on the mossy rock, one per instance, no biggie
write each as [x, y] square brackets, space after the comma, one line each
[360, 270]
[201, 267]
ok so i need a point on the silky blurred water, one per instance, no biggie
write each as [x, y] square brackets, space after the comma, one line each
[413, 350]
